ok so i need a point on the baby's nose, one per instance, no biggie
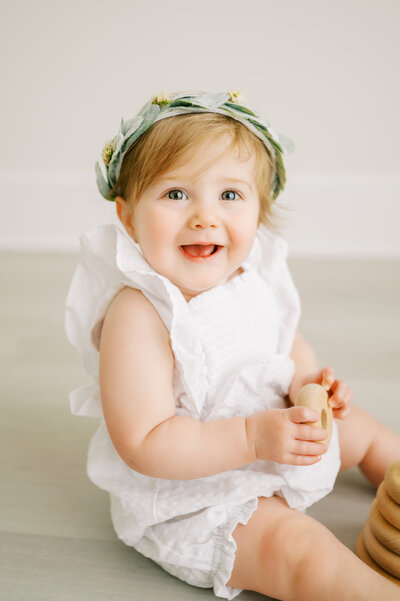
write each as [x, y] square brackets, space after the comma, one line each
[203, 217]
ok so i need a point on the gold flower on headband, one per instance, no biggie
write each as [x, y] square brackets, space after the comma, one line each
[161, 99]
[107, 152]
[234, 96]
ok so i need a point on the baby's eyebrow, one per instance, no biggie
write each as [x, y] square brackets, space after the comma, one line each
[241, 182]
[164, 180]
[168, 177]
[225, 182]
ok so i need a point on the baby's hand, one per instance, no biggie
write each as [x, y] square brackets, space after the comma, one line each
[282, 435]
[340, 393]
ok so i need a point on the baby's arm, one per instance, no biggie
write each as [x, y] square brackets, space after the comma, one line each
[136, 372]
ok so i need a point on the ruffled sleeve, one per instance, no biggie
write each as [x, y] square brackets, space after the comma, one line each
[109, 261]
[270, 253]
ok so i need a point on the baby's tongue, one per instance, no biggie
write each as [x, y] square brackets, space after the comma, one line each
[199, 250]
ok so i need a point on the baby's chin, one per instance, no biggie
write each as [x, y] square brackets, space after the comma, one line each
[189, 293]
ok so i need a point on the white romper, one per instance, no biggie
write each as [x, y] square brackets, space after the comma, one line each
[231, 346]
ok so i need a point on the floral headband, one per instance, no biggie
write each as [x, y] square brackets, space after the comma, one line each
[163, 106]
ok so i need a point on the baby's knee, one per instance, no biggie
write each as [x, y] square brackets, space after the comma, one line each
[283, 538]
[291, 552]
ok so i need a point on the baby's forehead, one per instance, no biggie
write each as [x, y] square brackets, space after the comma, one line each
[211, 162]
[224, 154]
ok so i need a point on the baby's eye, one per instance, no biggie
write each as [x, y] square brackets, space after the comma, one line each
[229, 195]
[176, 195]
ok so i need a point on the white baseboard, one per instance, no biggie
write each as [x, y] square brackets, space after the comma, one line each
[326, 214]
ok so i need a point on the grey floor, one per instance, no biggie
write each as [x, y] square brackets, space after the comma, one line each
[56, 540]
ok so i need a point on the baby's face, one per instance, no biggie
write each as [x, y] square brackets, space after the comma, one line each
[196, 223]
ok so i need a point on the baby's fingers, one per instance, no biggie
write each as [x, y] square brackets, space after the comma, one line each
[311, 449]
[310, 433]
[302, 415]
[308, 453]
[304, 459]
[342, 395]
[327, 377]
[341, 413]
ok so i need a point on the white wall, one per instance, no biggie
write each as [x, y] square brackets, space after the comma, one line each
[323, 72]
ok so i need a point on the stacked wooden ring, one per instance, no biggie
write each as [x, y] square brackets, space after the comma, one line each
[316, 397]
[379, 543]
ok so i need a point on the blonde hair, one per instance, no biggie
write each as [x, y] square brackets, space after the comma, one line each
[169, 141]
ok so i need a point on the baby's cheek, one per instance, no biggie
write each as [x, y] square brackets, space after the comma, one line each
[155, 234]
[156, 222]
[245, 235]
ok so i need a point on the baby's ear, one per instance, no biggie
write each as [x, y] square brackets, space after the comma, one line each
[125, 215]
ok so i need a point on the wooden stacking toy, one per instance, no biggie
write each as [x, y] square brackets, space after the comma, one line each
[379, 543]
[316, 397]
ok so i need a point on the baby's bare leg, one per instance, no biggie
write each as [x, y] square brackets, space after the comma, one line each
[367, 443]
[292, 557]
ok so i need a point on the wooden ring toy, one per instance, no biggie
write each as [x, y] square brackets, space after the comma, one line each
[388, 508]
[392, 481]
[362, 553]
[388, 560]
[386, 534]
[315, 397]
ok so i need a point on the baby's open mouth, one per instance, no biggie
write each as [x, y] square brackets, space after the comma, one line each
[200, 250]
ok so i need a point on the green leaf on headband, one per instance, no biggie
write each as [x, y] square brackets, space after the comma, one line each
[130, 126]
[176, 103]
[240, 109]
[103, 186]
